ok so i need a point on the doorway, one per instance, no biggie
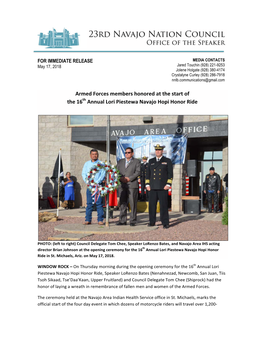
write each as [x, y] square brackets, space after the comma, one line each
[58, 43]
[210, 159]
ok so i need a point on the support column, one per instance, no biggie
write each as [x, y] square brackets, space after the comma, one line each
[176, 201]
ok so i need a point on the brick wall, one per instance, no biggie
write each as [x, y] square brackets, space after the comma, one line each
[129, 120]
[53, 135]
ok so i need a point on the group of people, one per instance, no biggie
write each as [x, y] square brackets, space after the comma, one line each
[157, 174]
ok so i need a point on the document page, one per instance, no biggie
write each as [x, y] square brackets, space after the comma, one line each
[129, 138]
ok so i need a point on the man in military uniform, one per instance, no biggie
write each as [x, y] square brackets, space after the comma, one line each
[212, 189]
[142, 178]
[158, 180]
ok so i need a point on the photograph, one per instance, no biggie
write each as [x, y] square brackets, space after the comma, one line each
[142, 178]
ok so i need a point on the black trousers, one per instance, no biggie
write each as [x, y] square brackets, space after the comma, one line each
[162, 197]
[209, 198]
[143, 196]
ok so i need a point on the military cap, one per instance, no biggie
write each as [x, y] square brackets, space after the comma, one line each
[159, 147]
[212, 168]
[144, 158]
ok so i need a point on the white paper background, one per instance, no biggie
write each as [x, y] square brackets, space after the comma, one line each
[28, 91]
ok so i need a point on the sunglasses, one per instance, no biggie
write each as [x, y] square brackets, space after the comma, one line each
[127, 152]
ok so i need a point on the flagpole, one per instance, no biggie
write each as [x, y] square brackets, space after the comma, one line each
[58, 198]
[108, 160]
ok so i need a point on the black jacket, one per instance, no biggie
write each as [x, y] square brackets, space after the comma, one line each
[143, 171]
[159, 174]
[212, 182]
[226, 179]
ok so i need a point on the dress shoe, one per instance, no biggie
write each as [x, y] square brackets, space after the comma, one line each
[151, 225]
[165, 226]
[87, 223]
[119, 223]
[133, 224]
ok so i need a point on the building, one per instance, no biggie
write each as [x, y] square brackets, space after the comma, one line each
[77, 135]
[56, 39]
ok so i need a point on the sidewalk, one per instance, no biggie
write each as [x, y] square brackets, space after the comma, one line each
[80, 212]
[76, 230]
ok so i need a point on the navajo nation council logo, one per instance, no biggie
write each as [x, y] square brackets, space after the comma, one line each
[56, 39]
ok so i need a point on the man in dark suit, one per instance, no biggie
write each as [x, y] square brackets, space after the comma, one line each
[158, 181]
[129, 169]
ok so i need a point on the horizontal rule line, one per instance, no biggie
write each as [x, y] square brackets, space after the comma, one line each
[130, 51]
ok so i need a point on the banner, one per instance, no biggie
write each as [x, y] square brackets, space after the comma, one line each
[175, 146]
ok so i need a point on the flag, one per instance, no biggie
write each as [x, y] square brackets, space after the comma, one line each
[54, 178]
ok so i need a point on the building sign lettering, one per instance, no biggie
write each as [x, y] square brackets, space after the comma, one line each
[119, 132]
[188, 130]
[161, 131]
[157, 131]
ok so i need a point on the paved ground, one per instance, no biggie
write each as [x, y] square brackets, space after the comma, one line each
[206, 226]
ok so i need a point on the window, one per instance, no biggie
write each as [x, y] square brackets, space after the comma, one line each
[214, 155]
[217, 155]
[208, 156]
[218, 117]
[80, 120]
[213, 159]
